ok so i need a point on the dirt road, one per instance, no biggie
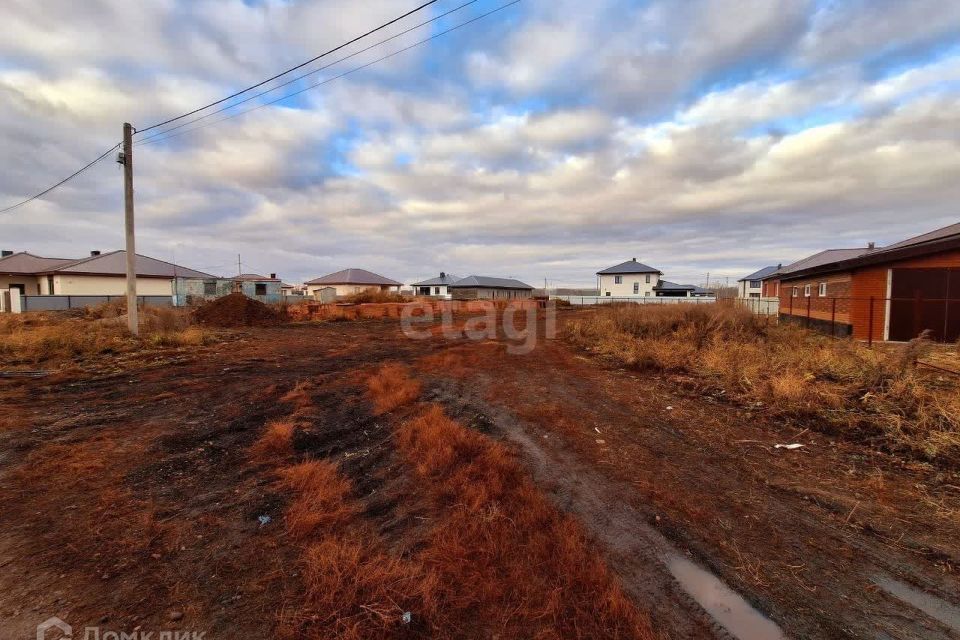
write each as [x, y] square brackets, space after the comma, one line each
[128, 500]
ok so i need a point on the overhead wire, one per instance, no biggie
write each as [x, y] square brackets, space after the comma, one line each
[336, 77]
[304, 75]
[299, 66]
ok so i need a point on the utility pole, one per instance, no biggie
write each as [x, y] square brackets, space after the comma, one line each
[239, 268]
[133, 320]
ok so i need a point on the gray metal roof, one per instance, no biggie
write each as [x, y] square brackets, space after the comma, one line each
[27, 263]
[944, 233]
[447, 278]
[354, 276]
[823, 258]
[253, 277]
[665, 285]
[630, 266]
[761, 274]
[489, 283]
[115, 264]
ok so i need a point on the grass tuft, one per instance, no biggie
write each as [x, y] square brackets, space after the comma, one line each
[392, 387]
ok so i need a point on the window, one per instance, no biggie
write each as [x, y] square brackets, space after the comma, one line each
[822, 290]
[648, 278]
[209, 288]
[796, 292]
[636, 288]
[617, 279]
[260, 289]
[436, 291]
[50, 285]
[646, 294]
[754, 284]
[608, 293]
[806, 291]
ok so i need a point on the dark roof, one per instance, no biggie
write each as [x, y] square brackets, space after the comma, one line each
[354, 276]
[630, 266]
[822, 259]
[665, 285]
[115, 264]
[761, 274]
[949, 232]
[27, 263]
[253, 277]
[107, 264]
[489, 283]
[446, 278]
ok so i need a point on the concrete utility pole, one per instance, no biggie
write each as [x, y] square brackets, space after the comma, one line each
[133, 320]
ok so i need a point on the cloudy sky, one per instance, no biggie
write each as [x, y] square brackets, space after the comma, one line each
[550, 139]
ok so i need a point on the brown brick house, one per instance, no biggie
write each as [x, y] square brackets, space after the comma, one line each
[886, 293]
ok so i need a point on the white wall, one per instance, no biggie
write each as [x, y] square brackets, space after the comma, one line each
[609, 285]
[80, 285]
[29, 282]
[350, 289]
[744, 290]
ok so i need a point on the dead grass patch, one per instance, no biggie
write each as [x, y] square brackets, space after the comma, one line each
[321, 497]
[392, 387]
[276, 442]
[873, 394]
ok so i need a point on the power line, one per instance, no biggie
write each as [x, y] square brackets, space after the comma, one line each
[62, 182]
[299, 66]
[304, 75]
[337, 77]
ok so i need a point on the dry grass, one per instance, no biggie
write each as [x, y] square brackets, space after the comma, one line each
[276, 442]
[839, 385]
[42, 337]
[321, 497]
[392, 387]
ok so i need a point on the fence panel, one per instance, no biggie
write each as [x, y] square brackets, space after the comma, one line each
[587, 300]
[63, 303]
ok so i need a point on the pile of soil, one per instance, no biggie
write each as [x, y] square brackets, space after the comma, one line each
[236, 310]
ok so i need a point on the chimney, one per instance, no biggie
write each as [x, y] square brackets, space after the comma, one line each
[94, 254]
[634, 259]
[273, 276]
[5, 253]
[871, 245]
[442, 275]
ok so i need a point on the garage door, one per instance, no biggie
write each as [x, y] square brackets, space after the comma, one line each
[925, 299]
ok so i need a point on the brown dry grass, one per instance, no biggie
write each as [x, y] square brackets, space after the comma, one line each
[322, 496]
[42, 337]
[392, 387]
[276, 442]
[840, 385]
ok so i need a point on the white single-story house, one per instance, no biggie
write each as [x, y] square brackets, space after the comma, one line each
[751, 286]
[96, 275]
[485, 287]
[630, 279]
[435, 287]
[352, 281]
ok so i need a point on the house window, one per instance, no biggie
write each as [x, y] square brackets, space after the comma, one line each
[822, 290]
[260, 289]
[646, 294]
[608, 293]
[209, 288]
[50, 285]
[796, 292]
[636, 288]
[436, 291]
[617, 279]
[806, 291]
[754, 284]
[648, 278]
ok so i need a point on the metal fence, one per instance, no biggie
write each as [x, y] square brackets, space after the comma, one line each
[62, 303]
[585, 300]
[759, 306]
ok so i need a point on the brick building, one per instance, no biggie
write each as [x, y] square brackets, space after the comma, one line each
[886, 293]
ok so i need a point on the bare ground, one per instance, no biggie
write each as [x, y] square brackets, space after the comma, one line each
[129, 497]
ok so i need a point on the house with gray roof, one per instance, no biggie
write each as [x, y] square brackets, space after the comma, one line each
[348, 282]
[751, 286]
[630, 279]
[435, 287]
[488, 288]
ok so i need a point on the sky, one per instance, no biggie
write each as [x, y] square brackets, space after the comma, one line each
[548, 140]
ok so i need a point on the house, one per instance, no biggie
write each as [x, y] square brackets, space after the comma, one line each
[751, 286]
[666, 289]
[484, 288]
[96, 275]
[630, 279]
[435, 287]
[352, 281]
[887, 293]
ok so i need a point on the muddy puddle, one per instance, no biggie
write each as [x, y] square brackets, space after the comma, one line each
[725, 605]
[940, 610]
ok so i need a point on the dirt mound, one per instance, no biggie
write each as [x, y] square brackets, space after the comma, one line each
[236, 310]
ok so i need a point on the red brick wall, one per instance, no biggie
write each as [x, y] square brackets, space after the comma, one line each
[821, 308]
